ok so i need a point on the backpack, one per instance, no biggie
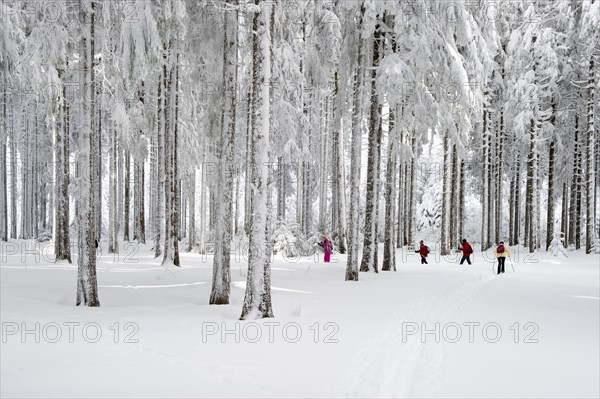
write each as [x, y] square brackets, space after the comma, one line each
[427, 249]
[500, 249]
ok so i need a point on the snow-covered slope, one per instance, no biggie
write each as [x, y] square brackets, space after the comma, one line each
[329, 337]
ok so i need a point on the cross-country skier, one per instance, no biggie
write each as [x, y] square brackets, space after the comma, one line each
[423, 251]
[466, 250]
[501, 253]
[327, 248]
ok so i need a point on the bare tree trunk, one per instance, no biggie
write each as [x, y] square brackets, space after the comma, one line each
[175, 181]
[531, 197]
[564, 223]
[192, 217]
[411, 191]
[159, 219]
[113, 245]
[550, 214]
[3, 169]
[338, 168]
[355, 162]
[257, 300]
[490, 187]
[401, 212]
[13, 175]
[443, 231]
[461, 201]
[127, 195]
[87, 288]
[202, 209]
[590, 178]
[453, 211]
[248, 187]
[517, 200]
[280, 189]
[484, 193]
[389, 251]
[221, 265]
[499, 180]
[370, 239]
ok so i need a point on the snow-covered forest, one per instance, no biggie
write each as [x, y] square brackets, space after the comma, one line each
[372, 121]
[244, 131]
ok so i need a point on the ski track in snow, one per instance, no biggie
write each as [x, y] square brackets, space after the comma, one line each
[387, 367]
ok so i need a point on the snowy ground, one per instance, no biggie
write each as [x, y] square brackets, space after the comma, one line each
[367, 342]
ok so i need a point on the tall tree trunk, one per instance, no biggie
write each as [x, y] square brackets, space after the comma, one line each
[370, 239]
[531, 194]
[248, 175]
[389, 249]
[280, 189]
[550, 206]
[202, 209]
[113, 243]
[499, 180]
[444, 231]
[590, 162]
[453, 211]
[192, 217]
[338, 167]
[257, 300]
[159, 219]
[355, 162]
[13, 175]
[485, 189]
[490, 187]
[98, 166]
[517, 201]
[323, 163]
[3, 169]
[221, 280]
[127, 195]
[141, 219]
[573, 199]
[461, 201]
[400, 216]
[175, 180]
[87, 287]
[411, 190]
[564, 221]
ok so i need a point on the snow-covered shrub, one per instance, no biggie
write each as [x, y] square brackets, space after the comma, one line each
[284, 241]
[596, 246]
[45, 236]
[557, 246]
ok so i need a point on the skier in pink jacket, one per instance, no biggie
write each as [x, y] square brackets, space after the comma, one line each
[327, 248]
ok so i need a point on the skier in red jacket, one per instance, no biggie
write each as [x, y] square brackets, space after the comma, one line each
[423, 251]
[467, 251]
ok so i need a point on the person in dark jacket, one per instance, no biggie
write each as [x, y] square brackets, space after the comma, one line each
[423, 251]
[467, 250]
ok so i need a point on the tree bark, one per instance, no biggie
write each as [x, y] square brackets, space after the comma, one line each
[590, 162]
[370, 239]
[355, 161]
[221, 262]
[443, 231]
[87, 287]
[257, 300]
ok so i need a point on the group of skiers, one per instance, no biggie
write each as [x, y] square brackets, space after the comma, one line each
[501, 251]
